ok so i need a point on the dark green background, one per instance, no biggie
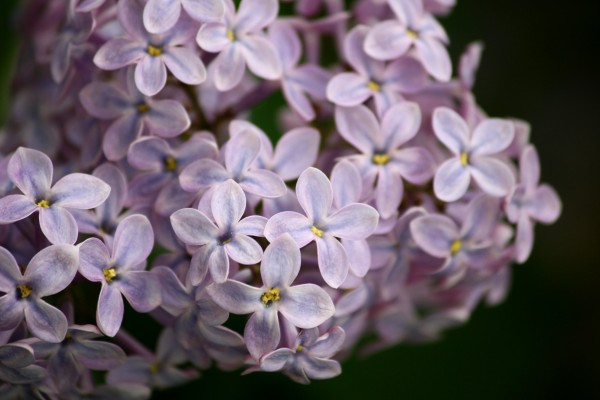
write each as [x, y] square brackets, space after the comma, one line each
[541, 65]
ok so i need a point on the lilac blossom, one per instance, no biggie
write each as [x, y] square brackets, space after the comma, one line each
[49, 272]
[383, 158]
[472, 153]
[354, 221]
[530, 202]
[304, 306]
[416, 28]
[239, 41]
[162, 15]
[16, 364]
[31, 171]
[121, 272]
[225, 238]
[372, 78]
[310, 358]
[152, 54]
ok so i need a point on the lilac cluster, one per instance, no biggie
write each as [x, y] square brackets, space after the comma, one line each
[130, 173]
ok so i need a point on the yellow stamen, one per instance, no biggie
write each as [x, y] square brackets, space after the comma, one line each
[170, 163]
[224, 242]
[316, 231]
[154, 367]
[381, 159]
[455, 247]
[142, 108]
[109, 274]
[230, 35]
[25, 290]
[374, 86]
[270, 296]
[43, 204]
[412, 34]
[154, 51]
[464, 159]
[299, 348]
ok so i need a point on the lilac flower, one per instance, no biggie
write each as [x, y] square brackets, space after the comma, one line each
[67, 360]
[472, 155]
[49, 271]
[152, 54]
[227, 238]
[121, 271]
[382, 157]
[133, 114]
[304, 306]
[297, 81]
[162, 15]
[239, 42]
[530, 202]
[31, 171]
[310, 357]
[240, 153]
[16, 367]
[373, 78]
[354, 221]
[415, 27]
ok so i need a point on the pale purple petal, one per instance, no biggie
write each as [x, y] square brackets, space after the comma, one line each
[160, 15]
[492, 136]
[451, 180]
[10, 273]
[493, 176]
[185, 65]
[193, 227]
[262, 332]
[333, 261]
[545, 205]
[141, 289]
[218, 263]
[263, 183]
[358, 126]
[346, 183]
[52, 269]
[529, 168]
[388, 192]
[93, 258]
[148, 153]
[212, 37]
[15, 207]
[415, 164]
[11, 310]
[318, 368]
[405, 75]
[306, 306]
[174, 295]
[286, 41]
[134, 240]
[229, 67]
[114, 177]
[281, 263]
[355, 54]
[434, 234]
[130, 14]
[201, 174]
[80, 191]
[348, 89]
[298, 100]
[328, 344]
[241, 151]
[150, 75]
[261, 56]
[120, 135]
[354, 221]
[98, 355]
[244, 250]
[204, 10]
[228, 204]
[435, 58]
[524, 239]
[58, 225]
[276, 360]
[315, 194]
[253, 225]
[236, 297]
[296, 151]
[387, 40]
[451, 129]
[167, 118]
[481, 218]
[44, 321]
[254, 15]
[109, 314]
[31, 171]
[199, 264]
[119, 52]
[400, 124]
[103, 100]
[311, 78]
[297, 225]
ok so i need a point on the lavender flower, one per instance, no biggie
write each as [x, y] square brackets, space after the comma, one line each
[16, 367]
[162, 15]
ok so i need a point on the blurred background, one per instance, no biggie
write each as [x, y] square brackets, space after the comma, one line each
[540, 65]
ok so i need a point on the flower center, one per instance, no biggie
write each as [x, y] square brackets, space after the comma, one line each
[154, 367]
[316, 231]
[464, 159]
[226, 238]
[154, 51]
[381, 159]
[109, 274]
[412, 34]
[270, 296]
[170, 163]
[374, 86]
[142, 108]
[230, 35]
[43, 203]
[455, 247]
[299, 348]
[25, 291]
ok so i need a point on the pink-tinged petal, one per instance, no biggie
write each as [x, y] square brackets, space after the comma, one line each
[524, 239]
[98, 355]
[119, 52]
[400, 124]
[31, 171]
[218, 264]
[10, 273]
[15, 207]
[286, 41]
[469, 63]
[241, 151]
[204, 10]
[160, 15]
[328, 344]
[296, 151]
[185, 65]
[545, 205]
[109, 314]
[58, 225]
[261, 57]
[229, 67]
[120, 135]
[492, 136]
[359, 127]
[451, 129]
[103, 100]
[11, 310]
[311, 78]
[228, 204]
[254, 15]
[80, 191]
[281, 262]
[297, 225]
[150, 75]
[306, 306]
[415, 164]
[93, 258]
[333, 261]
[388, 192]
[354, 221]
[134, 240]
[276, 360]
[244, 250]
[435, 58]
[201, 174]
[212, 37]
[434, 234]
[407, 11]
[318, 368]
[253, 225]
[44, 321]
[262, 332]
[298, 100]
[167, 118]
[359, 256]
[148, 153]
[529, 168]
[236, 297]
[451, 180]
[493, 176]
[130, 14]
[52, 269]
[481, 218]
[141, 289]
[355, 53]
[387, 40]
[405, 75]
[315, 194]
[348, 89]
[346, 183]
[263, 183]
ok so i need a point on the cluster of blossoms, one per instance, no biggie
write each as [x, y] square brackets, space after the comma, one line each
[392, 206]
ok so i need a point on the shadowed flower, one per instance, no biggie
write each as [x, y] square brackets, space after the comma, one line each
[16, 367]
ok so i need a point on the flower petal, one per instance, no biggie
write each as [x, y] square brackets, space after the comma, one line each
[281, 262]
[80, 191]
[435, 58]
[185, 65]
[263, 183]
[11, 310]
[348, 89]
[451, 180]
[58, 225]
[261, 56]
[297, 225]
[492, 136]
[295, 151]
[355, 222]
[229, 67]
[93, 258]
[306, 306]
[287, 43]
[15, 207]
[160, 15]
[204, 10]
[98, 355]
[148, 153]
[244, 250]
[434, 234]
[218, 263]
[358, 126]
[236, 297]
[212, 37]
[262, 332]
[400, 124]
[415, 164]
[319, 368]
[120, 135]
[109, 314]
[52, 269]
[254, 15]
[493, 176]
[134, 240]
[44, 321]
[388, 192]
[10, 273]
[387, 40]
[276, 360]
[201, 174]
[167, 118]
[524, 239]
[118, 52]
[333, 261]
[451, 129]
[405, 75]
[241, 151]
[141, 289]
[103, 100]
[31, 171]
[150, 75]
[545, 205]
[315, 194]
[193, 227]
[328, 344]
[228, 204]
[253, 225]
[346, 183]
